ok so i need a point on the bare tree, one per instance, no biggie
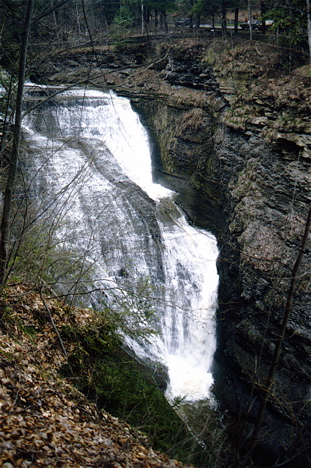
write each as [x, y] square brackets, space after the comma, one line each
[7, 201]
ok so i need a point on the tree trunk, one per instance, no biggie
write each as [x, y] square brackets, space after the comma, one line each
[250, 20]
[309, 28]
[7, 199]
[142, 17]
[263, 9]
[236, 20]
[224, 17]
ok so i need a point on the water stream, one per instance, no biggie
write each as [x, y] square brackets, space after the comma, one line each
[90, 172]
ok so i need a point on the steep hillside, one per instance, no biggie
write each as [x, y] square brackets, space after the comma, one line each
[45, 420]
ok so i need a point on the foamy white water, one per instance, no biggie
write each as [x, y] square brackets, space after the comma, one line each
[93, 144]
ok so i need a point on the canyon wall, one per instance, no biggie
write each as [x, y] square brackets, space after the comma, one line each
[250, 184]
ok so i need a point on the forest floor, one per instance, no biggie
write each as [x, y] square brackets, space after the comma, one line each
[44, 421]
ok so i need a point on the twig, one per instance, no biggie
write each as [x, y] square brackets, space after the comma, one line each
[279, 341]
[53, 323]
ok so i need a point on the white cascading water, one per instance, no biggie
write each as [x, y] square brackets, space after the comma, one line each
[91, 158]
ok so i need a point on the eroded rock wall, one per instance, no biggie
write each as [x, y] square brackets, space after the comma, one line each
[254, 194]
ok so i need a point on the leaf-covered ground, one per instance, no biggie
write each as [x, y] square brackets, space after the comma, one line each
[44, 421]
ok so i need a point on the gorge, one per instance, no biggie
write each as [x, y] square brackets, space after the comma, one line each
[234, 141]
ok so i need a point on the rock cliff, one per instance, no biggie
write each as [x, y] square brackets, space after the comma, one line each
[232, 135]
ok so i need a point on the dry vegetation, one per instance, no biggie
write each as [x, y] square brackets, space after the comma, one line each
[44, 421]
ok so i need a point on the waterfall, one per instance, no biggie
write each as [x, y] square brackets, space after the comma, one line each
[89, 170]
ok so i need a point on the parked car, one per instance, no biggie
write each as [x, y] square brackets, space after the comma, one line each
[183, 23]
[269, 23]
[257, 25]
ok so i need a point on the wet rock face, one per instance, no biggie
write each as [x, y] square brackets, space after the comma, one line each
[255, 199]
